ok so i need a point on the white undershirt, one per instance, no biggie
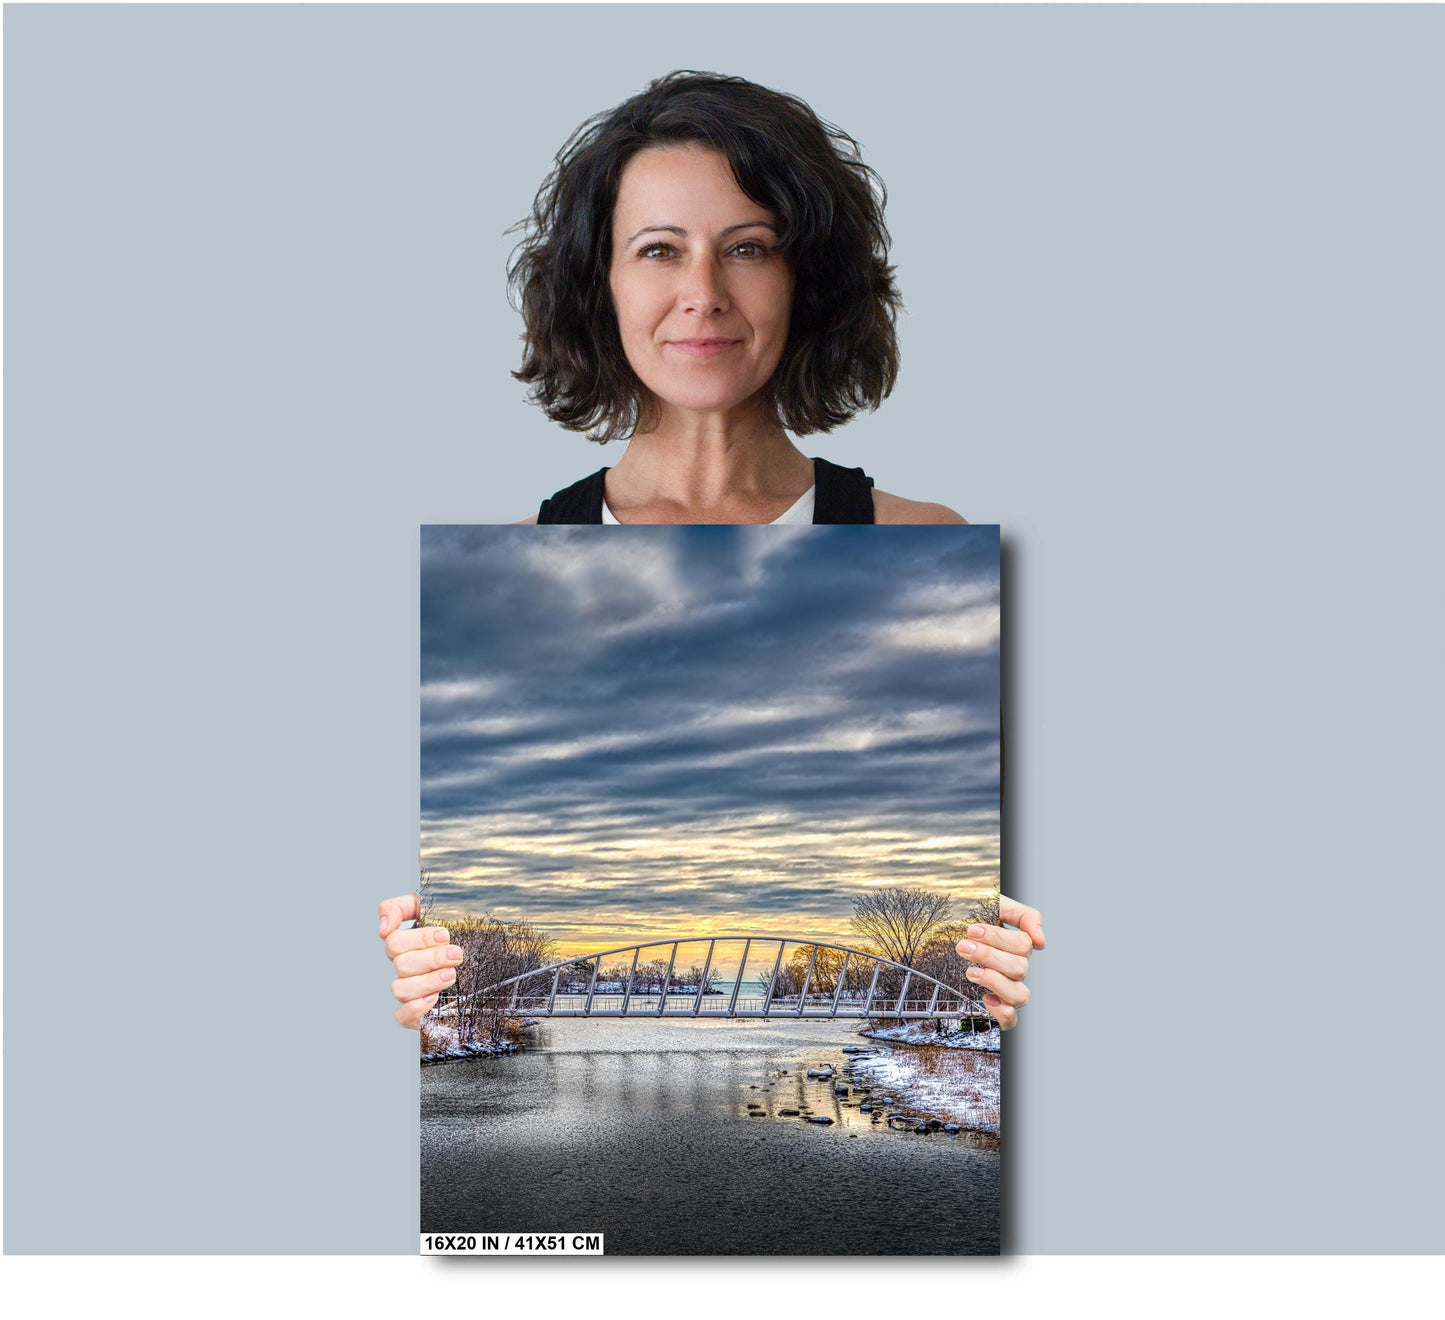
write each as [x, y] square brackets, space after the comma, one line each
[801, 512]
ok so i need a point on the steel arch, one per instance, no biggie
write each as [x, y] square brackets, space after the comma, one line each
[940, 999]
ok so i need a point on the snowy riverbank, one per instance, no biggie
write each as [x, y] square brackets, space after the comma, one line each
[933, 1081]
[922, 1033]
[439, 1042]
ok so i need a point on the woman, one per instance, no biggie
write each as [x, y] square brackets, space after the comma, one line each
[704, 271]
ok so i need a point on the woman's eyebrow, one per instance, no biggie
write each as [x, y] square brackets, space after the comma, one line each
[682, 233]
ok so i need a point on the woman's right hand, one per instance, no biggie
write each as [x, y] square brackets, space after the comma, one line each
[424, 959]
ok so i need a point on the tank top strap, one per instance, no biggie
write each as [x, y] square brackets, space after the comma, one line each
[843, 495]
[581, 502]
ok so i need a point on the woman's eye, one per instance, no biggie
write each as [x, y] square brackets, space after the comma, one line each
[655, 249]
[750, 249]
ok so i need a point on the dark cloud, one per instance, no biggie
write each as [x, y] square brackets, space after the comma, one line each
[706, 721]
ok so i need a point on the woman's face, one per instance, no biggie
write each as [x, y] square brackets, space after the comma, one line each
[701, 293]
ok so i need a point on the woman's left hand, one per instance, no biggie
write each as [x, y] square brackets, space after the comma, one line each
[1002, 956]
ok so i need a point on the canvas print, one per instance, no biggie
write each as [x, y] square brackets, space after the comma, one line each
[708, 809]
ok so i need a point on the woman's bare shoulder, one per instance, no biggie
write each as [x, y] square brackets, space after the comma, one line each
[895, 509]
[886, 509]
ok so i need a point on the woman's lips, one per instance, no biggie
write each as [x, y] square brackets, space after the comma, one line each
[703, 347]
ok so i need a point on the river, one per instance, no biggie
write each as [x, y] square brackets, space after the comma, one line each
[642, 1130]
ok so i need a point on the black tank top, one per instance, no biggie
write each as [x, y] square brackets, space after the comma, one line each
[840, 495]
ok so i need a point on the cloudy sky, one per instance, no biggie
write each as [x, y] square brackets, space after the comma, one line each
[630, 733]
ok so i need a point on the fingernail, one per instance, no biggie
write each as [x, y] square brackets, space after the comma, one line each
[381, 927]
[973, 973]
[438, 936]
[975, 931]
[454, 954]
[448, 976]
[967, 946]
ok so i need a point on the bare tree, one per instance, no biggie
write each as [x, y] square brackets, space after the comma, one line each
[650, 976]
[426, 900]
[898, 921]
[826, 965]
[695, 979]
[940, 959]
[495, 951]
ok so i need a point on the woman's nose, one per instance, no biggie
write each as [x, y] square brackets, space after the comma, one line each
[703, 290]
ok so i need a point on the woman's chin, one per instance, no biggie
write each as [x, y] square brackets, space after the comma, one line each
[711, 400]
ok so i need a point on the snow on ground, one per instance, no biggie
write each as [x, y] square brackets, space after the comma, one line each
[471, 1051]
[920, 1033]
[956, 1079]
[439, 1042]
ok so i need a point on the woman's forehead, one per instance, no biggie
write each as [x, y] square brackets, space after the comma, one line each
[670, 186]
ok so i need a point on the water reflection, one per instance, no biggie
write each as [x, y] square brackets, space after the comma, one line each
[669, 1137]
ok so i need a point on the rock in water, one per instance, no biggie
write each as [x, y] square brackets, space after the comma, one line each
[820, 1118]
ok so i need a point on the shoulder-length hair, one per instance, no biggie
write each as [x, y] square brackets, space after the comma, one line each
[842, 350]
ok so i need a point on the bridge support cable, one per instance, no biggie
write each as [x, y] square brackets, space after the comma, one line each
[872, 985]
[903, 998]
[627, 994]
[666, 981]
[738, 984]
[592, 986]
[773, 980]
[807, 980]
[702, 984]
[552, 998]
[937, 986]
[838, 990]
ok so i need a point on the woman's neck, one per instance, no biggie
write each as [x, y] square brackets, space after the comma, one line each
[708, 468]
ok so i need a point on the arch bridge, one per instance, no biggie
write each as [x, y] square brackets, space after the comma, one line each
[739, 976]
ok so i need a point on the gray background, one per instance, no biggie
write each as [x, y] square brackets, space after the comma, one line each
[1175, 319]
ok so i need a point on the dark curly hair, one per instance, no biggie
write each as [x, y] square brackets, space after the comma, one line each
[842, 350]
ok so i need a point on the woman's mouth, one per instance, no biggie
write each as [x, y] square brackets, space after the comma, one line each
[703, 347]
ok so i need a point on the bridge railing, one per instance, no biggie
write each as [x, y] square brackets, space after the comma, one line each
[820, 980]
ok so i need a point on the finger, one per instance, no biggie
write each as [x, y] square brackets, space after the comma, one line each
[415, 937]
[1010, 941]
[1003, 1014]
[1026, 918]
[407, 988]
[396, 910]
[1013, 993]
[1010, 964]
[420, 961]
[411, 1014]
